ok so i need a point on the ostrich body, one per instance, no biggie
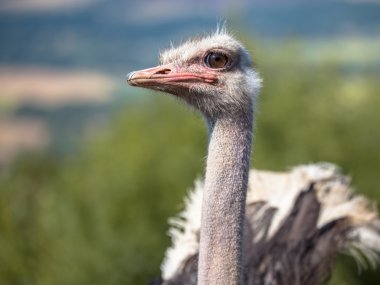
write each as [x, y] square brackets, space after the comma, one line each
[215, 75]
[296, 222]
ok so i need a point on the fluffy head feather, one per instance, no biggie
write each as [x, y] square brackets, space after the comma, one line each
[237, 84]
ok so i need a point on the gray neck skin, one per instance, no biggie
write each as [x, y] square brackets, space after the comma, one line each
[224, 198]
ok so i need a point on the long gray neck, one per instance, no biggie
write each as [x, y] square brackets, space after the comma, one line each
[224, 198]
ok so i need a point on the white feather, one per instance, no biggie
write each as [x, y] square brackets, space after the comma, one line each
[279, 190]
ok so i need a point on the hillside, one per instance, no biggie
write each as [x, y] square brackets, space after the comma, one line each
[111, 36]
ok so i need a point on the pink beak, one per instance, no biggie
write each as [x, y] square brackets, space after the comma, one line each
[165, 75]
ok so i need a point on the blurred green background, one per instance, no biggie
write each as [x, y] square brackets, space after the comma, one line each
[91, 169]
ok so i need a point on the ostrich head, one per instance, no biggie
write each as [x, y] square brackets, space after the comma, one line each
[214, 74]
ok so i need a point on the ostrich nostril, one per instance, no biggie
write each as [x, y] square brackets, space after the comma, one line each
[163, 71]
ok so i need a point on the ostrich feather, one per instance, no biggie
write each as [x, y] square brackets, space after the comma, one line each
[309, 211]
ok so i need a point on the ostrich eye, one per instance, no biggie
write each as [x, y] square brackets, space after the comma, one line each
[216, 60]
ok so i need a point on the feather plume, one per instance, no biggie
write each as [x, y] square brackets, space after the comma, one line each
[309, 213]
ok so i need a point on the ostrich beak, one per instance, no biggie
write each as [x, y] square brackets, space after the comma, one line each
[164, 75]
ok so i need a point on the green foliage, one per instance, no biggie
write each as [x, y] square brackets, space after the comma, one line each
[100, 216]
[319, 112]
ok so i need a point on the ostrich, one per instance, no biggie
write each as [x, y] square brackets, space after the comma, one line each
[290, 227]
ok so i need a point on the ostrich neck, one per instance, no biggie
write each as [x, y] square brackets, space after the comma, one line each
[224, 197]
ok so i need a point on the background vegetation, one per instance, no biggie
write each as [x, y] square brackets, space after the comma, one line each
[92, 208]
[99, 216]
